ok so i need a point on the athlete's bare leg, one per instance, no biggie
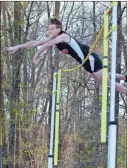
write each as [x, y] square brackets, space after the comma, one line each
[118, 86]
[118, 76]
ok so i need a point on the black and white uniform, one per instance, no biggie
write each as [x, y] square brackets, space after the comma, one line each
[79, 52]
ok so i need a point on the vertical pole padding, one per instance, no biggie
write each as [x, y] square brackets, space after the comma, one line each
[112, 131]
[57, 119]
[104, 81]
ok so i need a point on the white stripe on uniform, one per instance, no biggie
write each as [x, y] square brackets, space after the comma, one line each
[92, 60]
[76, 48]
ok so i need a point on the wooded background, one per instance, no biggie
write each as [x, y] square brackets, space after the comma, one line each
[27, 89]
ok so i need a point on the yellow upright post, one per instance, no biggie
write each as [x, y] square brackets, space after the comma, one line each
[104, 81]
[57, 119]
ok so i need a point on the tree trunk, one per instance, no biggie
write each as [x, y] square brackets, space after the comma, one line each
[0, 110]
[124, 43]
[96, 102]
[118, 66]
[14, 96]
[6, 77]
[56, 61]
[50, 81]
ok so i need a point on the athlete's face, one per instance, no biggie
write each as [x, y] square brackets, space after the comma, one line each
[53, 30]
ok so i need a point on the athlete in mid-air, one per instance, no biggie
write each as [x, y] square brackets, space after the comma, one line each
[68, 45]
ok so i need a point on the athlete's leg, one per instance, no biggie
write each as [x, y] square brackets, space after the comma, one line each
[118, 76]
[118, 86]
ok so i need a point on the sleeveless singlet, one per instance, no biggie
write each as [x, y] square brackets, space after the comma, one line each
[79, 52]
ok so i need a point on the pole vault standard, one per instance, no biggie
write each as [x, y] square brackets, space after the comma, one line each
[105, 73]
[50, 156]
[112, 123]
[55, 121]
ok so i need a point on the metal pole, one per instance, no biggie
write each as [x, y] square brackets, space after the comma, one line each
[112, 123]
[50, 156]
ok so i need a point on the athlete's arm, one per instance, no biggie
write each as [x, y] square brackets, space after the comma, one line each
[59, 39]
[29, 44]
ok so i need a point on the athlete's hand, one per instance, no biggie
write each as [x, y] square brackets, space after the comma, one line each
[12, 49]
[64, 51]
[36, 59]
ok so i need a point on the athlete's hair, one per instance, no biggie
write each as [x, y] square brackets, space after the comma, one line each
[56, 22]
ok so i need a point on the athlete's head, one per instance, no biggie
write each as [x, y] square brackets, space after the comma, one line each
[55, 27]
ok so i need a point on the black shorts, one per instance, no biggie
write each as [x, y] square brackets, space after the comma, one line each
[96, 64]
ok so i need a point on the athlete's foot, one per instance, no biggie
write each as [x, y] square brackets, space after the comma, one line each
[124, 77]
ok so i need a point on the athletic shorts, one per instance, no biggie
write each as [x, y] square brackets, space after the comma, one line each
[93, 64]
